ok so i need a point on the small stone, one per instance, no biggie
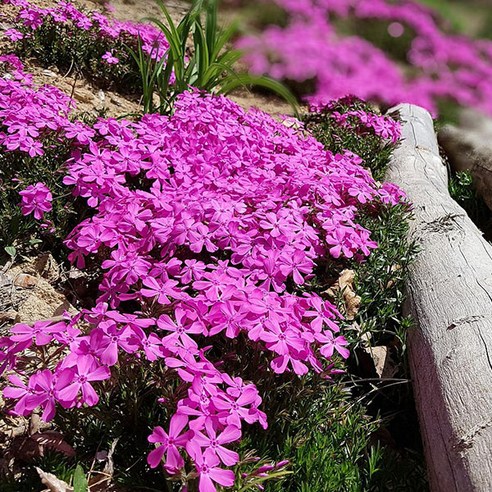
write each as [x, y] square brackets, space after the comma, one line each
[49, 73]
[7, 316]
[25, 281]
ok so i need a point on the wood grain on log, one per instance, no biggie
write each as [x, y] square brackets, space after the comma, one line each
[450, 298]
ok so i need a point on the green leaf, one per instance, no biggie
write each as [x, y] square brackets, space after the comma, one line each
[211, 25]
[79, 480]
[11, 251]
[232, 81]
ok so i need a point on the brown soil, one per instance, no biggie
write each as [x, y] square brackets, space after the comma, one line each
[137, 10]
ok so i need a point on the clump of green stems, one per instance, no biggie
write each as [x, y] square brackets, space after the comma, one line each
[199, 56]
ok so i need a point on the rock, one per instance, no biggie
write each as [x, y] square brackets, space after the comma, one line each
[383, 363]
[44, 302]
[32, 293]
[25, 281]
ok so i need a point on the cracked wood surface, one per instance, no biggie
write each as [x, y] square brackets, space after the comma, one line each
[450, 298]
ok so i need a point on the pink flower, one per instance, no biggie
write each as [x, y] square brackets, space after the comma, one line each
[36, 199]
[109, 339]
[110, 59]
[181, 329]
[21, 392]
[296, 264]
[281, 339]
[233, 410]
[73, 380]
[13, 35]
[43, 386]
[169, 444]
[152, 347]
[160, 290]
[199, 237]
[209, 472]
[330, 343]
[40, 332]
[213, 443]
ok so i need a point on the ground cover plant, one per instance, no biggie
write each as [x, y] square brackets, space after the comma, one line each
[162, 58]
[85, 42]
[383, 51]
[38, 135]
[210, 237]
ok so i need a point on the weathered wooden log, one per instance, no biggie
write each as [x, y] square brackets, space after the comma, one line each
[469, 147]
[450, 298]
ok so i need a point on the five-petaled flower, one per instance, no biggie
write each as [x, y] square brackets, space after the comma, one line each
[169, 444]
[110, 59]
[36, 199]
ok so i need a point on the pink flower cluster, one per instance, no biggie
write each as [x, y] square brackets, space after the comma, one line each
[383, 126]
[36, 199]
[362, 121]
[110, 59]
[28, 114]
[32, 17]
[444, 66]
[212, 223]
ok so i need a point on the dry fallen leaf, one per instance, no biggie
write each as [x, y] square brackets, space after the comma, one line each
[383, 363]
[28, 448]
[53, 441]
[345, 285]
[53, 483]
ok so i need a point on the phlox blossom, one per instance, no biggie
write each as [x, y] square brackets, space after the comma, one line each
[440, 64]
[110, 59]
[209, 472]
[213, 443]
[13, 34]
[36, 199]
[169, 444]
